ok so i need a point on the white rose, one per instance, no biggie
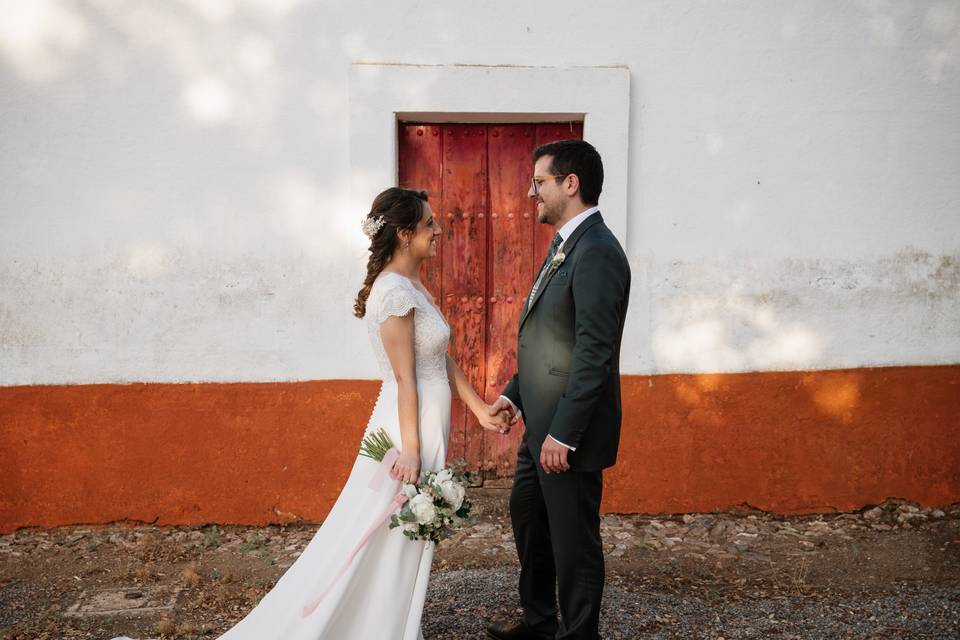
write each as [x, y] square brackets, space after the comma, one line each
[423, 509]
[453, 492]
[444, 475]
[409, 490]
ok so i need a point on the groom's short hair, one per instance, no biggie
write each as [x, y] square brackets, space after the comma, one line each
[579, 157]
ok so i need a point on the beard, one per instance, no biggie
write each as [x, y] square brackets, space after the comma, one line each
[548, 214]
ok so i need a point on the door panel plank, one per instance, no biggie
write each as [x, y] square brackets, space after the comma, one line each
[464, 270]
[511, 262]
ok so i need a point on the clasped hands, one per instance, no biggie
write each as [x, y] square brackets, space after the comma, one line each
[497, 418]
[553, 455]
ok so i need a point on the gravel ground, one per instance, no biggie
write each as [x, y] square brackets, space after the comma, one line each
[887, 571]
[460, 603]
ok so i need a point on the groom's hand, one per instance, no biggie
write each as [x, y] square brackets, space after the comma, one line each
[553, 456]
[503, 405]
[499, 422]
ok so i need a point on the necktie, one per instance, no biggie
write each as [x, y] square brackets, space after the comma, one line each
[546, 265]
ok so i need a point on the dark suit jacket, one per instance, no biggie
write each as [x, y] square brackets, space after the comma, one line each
[568, 359]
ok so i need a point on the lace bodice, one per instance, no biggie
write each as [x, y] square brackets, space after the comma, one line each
[395, 295]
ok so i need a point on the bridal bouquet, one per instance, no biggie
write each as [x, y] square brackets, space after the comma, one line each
[434, 506]
[428, 510]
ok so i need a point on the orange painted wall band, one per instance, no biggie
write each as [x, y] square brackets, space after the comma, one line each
[793, 442]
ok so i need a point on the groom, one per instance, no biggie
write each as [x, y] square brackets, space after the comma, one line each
[567, 388]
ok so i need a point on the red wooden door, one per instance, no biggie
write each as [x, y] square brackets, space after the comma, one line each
[477, 177]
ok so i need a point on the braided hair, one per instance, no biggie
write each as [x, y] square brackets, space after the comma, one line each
[391, 211]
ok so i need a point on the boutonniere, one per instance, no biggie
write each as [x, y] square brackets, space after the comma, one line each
[557, 260]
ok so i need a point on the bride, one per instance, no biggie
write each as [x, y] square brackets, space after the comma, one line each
[381, 595]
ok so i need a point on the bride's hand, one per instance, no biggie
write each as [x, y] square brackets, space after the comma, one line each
[499, 422]
[406, 468]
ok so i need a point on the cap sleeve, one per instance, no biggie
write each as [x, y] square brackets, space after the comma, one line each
[396, 300]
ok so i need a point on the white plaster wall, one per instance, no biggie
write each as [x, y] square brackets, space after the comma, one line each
[176, 202]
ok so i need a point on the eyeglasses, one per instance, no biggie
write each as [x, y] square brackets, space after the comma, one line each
[536, 181]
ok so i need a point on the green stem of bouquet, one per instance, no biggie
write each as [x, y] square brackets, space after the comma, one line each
[376, 445]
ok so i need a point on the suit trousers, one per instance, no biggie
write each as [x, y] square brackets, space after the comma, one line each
[556, 526]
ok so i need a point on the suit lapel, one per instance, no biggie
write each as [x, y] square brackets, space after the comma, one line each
[567, 247]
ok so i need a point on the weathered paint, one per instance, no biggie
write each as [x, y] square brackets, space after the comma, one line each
[780, 165]
[512, 255]
[794, 442]
[177, 454]
[788, 442]
[493, 252]
[464, 267]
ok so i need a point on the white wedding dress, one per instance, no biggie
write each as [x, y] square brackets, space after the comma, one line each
[381, 595]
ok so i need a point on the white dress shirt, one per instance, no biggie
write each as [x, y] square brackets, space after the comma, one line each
[565, 232]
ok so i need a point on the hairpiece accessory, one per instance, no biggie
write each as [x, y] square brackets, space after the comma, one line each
[372, 226]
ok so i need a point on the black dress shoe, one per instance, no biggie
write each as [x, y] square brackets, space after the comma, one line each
[502, 631]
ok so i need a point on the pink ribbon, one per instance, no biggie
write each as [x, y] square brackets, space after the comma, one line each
[398, 501]
[376, 482]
